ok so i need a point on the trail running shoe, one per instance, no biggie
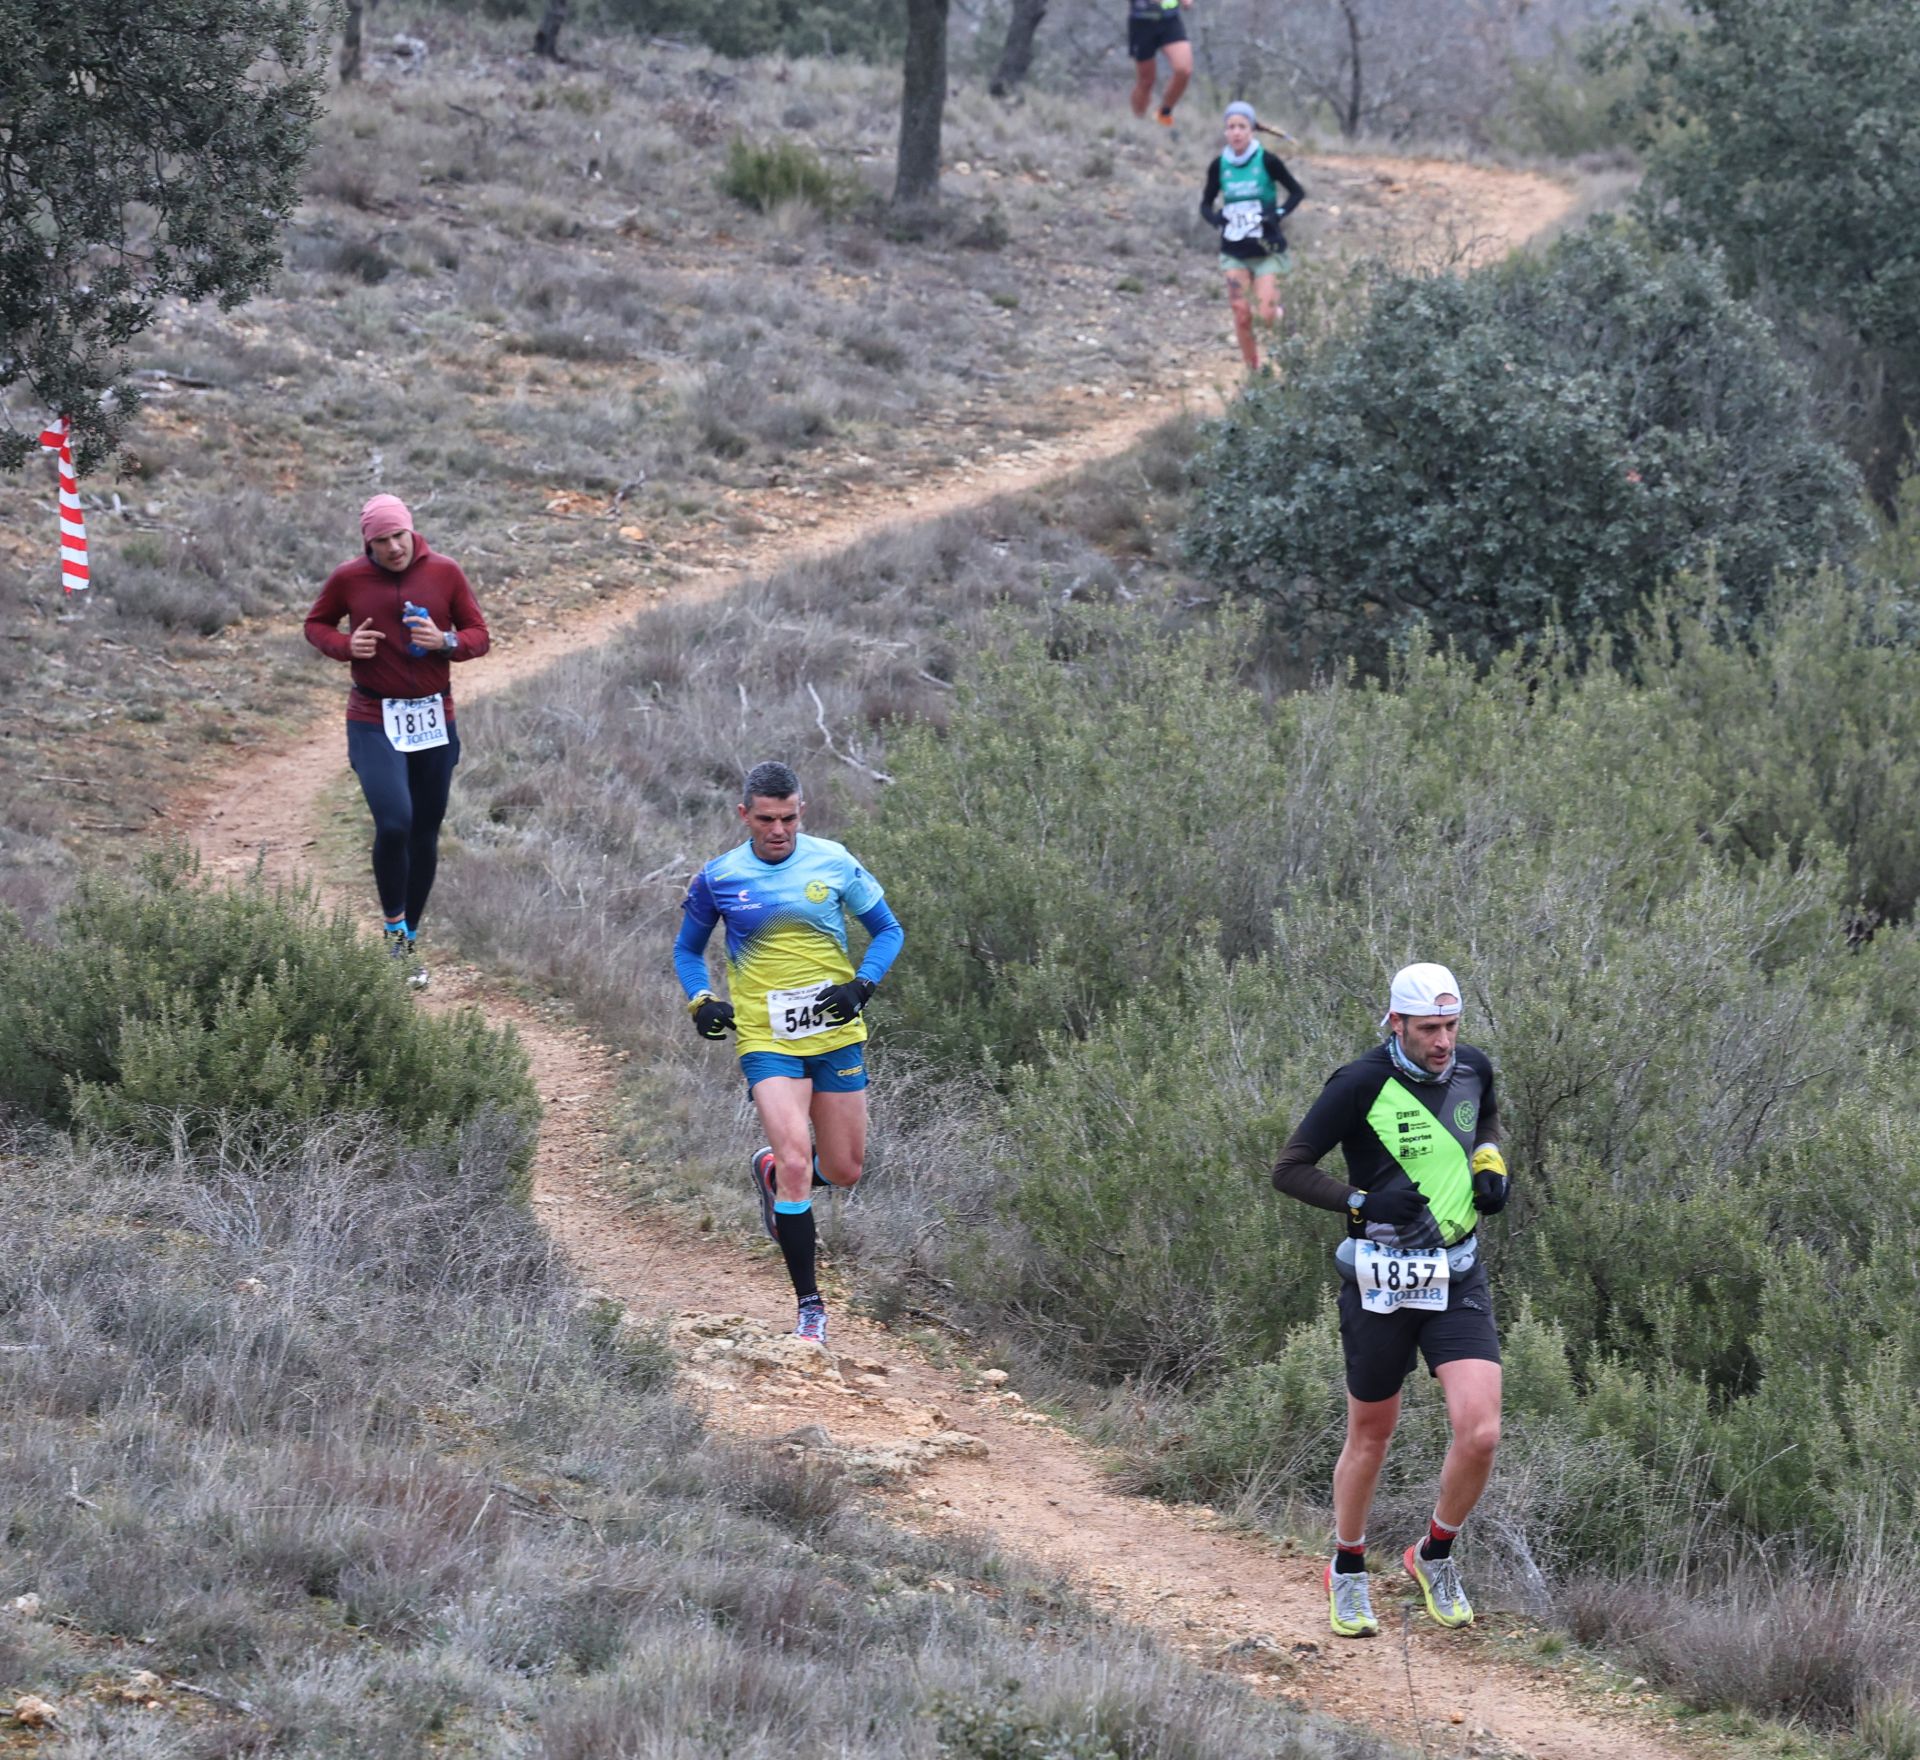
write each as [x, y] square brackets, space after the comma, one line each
[762, 1176]
[1439, 1580]
[812, 1322]
[1165, 119]
[1350, 1604]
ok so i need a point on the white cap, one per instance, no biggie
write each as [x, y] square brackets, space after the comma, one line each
[1418, 990]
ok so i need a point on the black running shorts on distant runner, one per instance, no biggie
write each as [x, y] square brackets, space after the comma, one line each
[1379, 1348]
[1146, 37]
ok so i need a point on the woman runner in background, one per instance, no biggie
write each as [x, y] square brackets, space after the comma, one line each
[1242, 201]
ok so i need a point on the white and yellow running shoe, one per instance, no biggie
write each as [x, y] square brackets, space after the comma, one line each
[1439, 1581]
[1350, 1604]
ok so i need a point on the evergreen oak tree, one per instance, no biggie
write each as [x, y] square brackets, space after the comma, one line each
[149, 149]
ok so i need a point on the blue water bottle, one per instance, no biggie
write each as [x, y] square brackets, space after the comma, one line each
[409, 609]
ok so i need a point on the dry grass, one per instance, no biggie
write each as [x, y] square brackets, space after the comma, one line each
[516, 295]
[586, 803]
[321, 1427]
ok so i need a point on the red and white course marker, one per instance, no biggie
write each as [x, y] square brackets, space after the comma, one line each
[73, 522]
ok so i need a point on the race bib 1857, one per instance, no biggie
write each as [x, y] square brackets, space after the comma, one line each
[1391, 1278]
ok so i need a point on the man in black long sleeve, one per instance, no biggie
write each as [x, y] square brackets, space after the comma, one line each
[1420, 1126]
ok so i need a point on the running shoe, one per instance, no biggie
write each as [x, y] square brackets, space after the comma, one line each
[1350, 1604]
[1439, 1580]
[1166, 119]
[396, 942]
[762, 1176]
[812, 1322]
[416, 971]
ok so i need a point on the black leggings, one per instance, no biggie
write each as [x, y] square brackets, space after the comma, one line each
[407, 795]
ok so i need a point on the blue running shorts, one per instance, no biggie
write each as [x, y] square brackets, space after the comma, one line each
[831, 1072]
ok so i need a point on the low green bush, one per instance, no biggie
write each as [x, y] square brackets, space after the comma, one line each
[784, 171]
[167, 1004]
[1540, 443]
[1811, 193]
[1155, 909]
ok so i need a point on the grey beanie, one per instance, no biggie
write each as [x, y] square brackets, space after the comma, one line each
[1240, 107]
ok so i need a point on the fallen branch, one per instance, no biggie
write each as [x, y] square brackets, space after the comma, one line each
[226, 1699]
[826, 733]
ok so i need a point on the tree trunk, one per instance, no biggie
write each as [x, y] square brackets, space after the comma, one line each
[350, 45]
[923, 100]
[546, 40]
[1016, 56]
[1350, 123]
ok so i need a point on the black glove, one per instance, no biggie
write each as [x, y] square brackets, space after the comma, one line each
[843, 1002]
[1491, 1184]
[712, 1018]
[1395, 1205]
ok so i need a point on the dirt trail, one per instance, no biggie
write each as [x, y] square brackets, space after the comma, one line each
[947, 1448]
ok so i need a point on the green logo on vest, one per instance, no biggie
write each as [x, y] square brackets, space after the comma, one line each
[1463, 1115]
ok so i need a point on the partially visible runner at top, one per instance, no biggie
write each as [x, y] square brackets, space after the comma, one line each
[410, 615]
[1155, 28]
[794, 1002]
[1420, 1128]
[1242, 201]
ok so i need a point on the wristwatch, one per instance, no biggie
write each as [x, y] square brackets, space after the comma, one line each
[1356, 1201]
[450, 640]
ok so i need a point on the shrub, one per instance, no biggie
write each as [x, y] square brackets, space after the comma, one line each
[785, 171]
[1005, 1729]
[1539, 443]
[1563, 105]
[1059, 852]
[1811, 193]
[872, 30]
[169, 1002]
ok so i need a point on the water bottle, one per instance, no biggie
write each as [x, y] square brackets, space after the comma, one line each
[409, 609]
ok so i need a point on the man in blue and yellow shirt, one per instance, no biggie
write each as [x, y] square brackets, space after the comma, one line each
[795, 1005]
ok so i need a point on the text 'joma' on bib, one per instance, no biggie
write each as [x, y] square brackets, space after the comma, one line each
[1392, 1278]
[414, 724]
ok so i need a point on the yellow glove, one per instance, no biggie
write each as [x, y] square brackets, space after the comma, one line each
[1491, 1183]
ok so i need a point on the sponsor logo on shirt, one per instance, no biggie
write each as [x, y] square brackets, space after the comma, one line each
[818, 891]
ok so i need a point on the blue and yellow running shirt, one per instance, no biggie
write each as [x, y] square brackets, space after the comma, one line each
[786, 940]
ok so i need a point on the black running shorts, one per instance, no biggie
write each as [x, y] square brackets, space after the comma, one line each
[1146, 37]
[1380, 1348]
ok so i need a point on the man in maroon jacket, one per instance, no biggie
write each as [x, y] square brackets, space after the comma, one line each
[409, 614]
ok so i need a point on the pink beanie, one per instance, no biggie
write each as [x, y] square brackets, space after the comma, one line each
[384, 514]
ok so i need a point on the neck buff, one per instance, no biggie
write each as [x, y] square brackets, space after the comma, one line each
[1411, 1070]
[1233, 158]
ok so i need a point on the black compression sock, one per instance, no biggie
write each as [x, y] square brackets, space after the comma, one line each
[1349, 1558]
[1439, 1541]
[796, 1235]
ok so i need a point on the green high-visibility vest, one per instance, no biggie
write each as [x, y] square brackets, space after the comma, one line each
[1432, 1152]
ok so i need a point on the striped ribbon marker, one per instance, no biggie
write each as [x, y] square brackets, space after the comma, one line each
[73, 522]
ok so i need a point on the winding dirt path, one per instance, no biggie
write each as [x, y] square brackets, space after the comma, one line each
[947, 1447]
